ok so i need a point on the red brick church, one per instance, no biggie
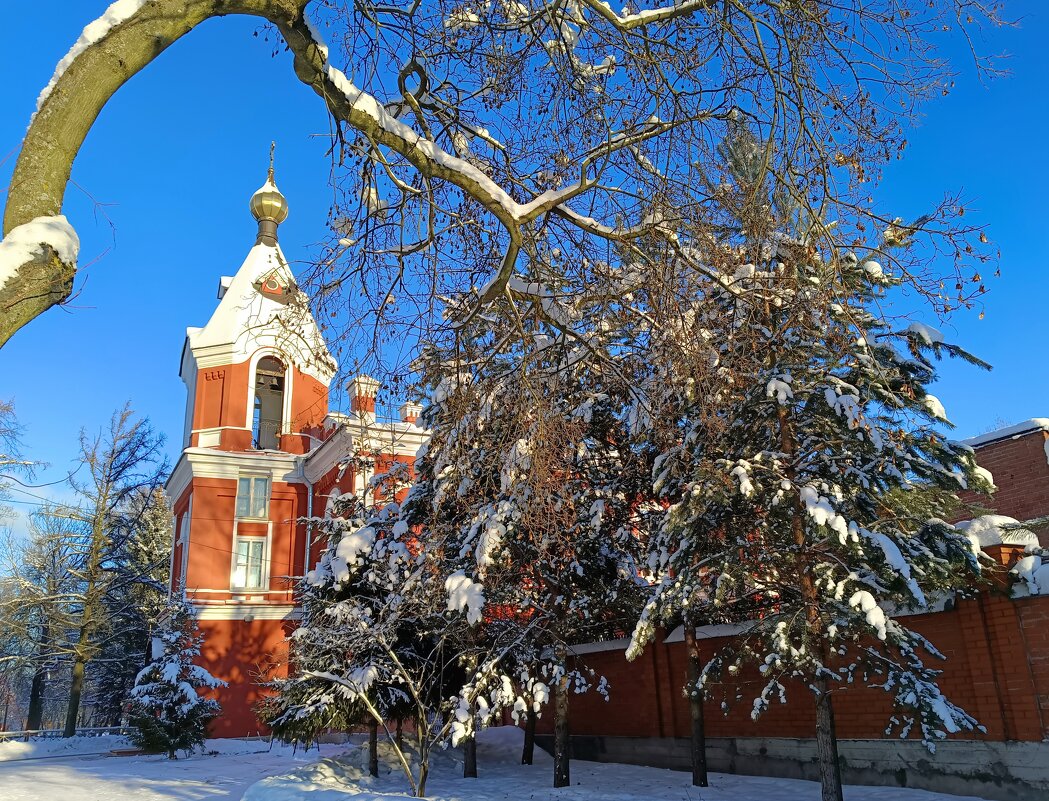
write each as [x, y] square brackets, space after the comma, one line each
[261, 451]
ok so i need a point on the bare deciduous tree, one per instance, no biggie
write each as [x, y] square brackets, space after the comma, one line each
[477, 141]
[120, 463]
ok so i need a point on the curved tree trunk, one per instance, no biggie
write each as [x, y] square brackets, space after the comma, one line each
[67, 114]
[60, 126]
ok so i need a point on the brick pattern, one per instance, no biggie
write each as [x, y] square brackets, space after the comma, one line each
[1034, 621]
[996, 649]
[996, 668]
[1021, 472]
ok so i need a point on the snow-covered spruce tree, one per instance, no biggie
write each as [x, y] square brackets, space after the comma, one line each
[387, 633]
[804, 479]
[134, 602]
[531, 487]
[304, 703]
[167, 710]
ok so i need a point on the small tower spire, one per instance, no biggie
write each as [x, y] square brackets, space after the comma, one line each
[269, 207]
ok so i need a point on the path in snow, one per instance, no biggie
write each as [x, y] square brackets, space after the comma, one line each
[223, 777]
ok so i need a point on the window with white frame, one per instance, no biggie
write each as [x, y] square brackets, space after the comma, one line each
[253, 497]
[249, 563]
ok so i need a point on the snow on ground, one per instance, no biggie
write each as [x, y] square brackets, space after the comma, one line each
[223, 775]
[235, 769]
[502, 778]
[71, 746]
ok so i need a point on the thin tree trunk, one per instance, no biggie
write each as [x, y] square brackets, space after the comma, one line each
[424, 758]
[424, 772]
[400, 733]
[76, 690]
[470, 743]
[826, 736]
[529, 741]
[373, 747]
[35, 713]
[695, 697]
[561, 758]
[827, 744]
[36, 699]
[470, 757]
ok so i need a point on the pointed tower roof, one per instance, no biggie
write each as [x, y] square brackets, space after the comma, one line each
[261, 305]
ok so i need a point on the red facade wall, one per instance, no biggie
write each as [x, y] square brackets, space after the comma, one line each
[222, 402]
[211, 535]
[243, 654]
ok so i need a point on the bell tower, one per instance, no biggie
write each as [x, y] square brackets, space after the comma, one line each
[263, 453]
[257, 374]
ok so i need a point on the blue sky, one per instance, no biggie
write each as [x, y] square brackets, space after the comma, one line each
[163, 180]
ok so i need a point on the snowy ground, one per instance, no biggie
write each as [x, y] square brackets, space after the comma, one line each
[56, 747]
[502, 778]
[220, 777]
[249, 770]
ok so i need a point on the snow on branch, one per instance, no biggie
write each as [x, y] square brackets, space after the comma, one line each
[118, 13]
[627, 22]
[27, 241]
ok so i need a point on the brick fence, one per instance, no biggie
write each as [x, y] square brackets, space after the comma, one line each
[996, 668]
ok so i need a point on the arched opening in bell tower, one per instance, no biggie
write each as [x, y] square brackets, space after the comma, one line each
[268, 414]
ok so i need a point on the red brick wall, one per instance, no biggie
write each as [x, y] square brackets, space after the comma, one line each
[1034, 619]
[1021, 473]
[996, 649]
[997, 669]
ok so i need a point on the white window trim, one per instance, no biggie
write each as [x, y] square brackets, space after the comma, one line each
[184, 529]
[259, 355]
[174, 545]
[265, 576]
[269, 498]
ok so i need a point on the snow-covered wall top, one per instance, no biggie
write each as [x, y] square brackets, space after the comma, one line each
[1019, 429]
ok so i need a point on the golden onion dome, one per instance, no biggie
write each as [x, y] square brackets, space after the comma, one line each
[268, 203]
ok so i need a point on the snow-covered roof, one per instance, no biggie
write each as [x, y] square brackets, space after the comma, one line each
[247, 319]
[990, 530]
[1017, 430]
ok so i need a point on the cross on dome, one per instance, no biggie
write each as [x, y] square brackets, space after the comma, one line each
[269, 207]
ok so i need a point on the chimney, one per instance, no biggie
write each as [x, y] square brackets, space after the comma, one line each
[363, 389]
[410, 412]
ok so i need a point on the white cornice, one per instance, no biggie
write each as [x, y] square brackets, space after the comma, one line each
[358, 434]
[210, 463]
[354, 434]
[243, 611]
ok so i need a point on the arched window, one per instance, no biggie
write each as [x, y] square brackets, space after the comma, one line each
[267, 417]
